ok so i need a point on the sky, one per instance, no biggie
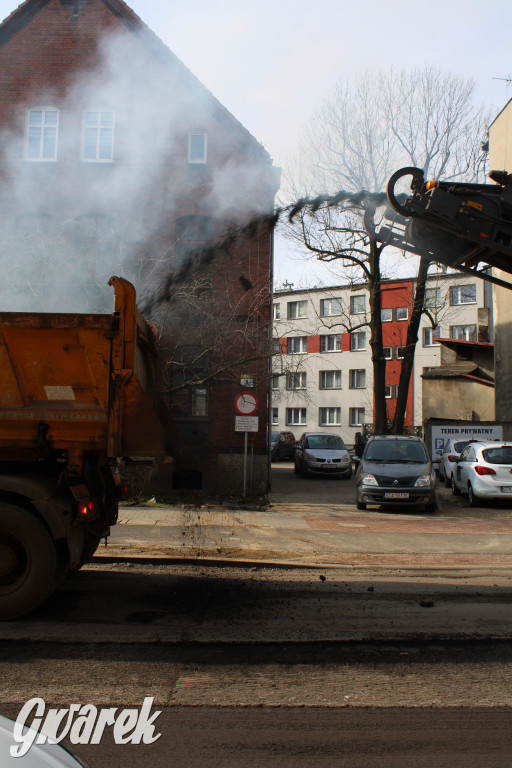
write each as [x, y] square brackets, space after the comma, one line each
[271, 62]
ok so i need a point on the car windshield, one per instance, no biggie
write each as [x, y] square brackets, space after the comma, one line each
[396, 451]
[459, 447]
[325, 442]
[275, 437]
[501, 455]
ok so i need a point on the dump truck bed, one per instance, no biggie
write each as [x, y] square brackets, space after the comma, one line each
[79, 383]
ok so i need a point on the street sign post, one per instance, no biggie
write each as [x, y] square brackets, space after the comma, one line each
[246, 404]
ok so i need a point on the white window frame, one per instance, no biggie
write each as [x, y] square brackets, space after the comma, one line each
[297, 380]
[331, 307]
[353, 377]
[355, 341]
[199, 160]
[327, 339]
[390, 355]
[300, 341]
[276, 310]
[329, 416]
[432, 298]
[429, 338]
[386, 315]
[457, 294]
[355, 302]
[397, 351]
[275, 416]
[296, 416]
[402, 311]
[297, 310]
[356, 412]
[468, 331]
[334, 376]
[390, 391]
[275, 381]
[42, 127]
[99, 131]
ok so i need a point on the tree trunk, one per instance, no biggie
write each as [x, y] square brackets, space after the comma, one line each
[378, 360]
[397, 426]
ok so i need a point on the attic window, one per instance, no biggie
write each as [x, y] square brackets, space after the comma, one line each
[197, 148]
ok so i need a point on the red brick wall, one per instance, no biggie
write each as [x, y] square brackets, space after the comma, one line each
[41, 65]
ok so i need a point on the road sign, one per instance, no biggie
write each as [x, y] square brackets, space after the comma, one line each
[246, 423]
[246, 403]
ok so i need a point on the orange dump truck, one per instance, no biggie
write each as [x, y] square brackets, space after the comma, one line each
[77, 393]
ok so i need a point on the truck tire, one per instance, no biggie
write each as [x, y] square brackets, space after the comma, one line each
[28, 562]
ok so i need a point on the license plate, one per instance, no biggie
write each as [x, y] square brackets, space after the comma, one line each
[506, 488]
[396, 495]
[329, 466]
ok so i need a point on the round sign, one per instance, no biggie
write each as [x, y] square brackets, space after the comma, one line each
[246, 403]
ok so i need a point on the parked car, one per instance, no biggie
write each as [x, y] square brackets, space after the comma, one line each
[448, 459]
[484, 471]
[395, 470]
[282, 446]
[322, 453]
[49, 755]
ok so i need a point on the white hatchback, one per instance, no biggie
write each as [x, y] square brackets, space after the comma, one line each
[484, 471]
[48, 755]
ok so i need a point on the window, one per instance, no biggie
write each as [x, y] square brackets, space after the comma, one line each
[295, 416]
[297, 309]
[197, 148]
[42, 128]
[390, 390]
[463, 294]
[430, 336]
[357, 305]
[275, 415]
[401, 313]
[432, 298]
[276, 347]
[463, 332]
[388, 353]
[277, 311]
[330, 343]
[296, 380]
[98, 137]
[357, 378]
[330, 379]
[386, 315]
[297, 344]
[329, 416]
[191, 401]
[400, 353]
[331, 307]
[358, 341]
[275, 381]
[356, 417]
[192, 232]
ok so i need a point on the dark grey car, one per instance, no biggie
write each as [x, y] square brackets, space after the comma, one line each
[395, 470]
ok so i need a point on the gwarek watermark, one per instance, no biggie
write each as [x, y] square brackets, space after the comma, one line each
[82, 724]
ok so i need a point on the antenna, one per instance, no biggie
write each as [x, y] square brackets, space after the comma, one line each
[507, 79]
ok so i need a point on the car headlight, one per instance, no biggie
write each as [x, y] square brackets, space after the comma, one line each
[309, 456]
[369, 480]
[345, 459]
[423, 481]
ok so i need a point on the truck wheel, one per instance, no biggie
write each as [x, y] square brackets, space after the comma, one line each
[28, 562]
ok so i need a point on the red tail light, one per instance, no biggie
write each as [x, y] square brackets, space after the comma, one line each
[451, 457]
[484, 471]
[123, 491]
[89, 509]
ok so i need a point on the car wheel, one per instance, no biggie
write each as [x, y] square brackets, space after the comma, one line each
[447, 481]
[304, 470]
[361, 505]
[347, 476]
[473, 499]
[455, 490]
[430, 508]
[296, 468]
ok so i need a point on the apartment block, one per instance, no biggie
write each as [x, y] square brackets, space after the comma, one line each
[322, 369]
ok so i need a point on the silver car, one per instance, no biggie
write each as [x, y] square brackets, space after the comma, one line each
[484, 471]
[48, 755]
[322, 453]
[448, 459]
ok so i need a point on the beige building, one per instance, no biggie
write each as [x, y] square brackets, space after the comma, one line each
[500, 158]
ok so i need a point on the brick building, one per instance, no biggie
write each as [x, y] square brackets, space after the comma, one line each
[323, 380]
[115, 159]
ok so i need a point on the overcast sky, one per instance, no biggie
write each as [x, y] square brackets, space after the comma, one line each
[271, 61]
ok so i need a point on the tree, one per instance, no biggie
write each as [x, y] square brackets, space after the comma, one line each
[355, 140]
